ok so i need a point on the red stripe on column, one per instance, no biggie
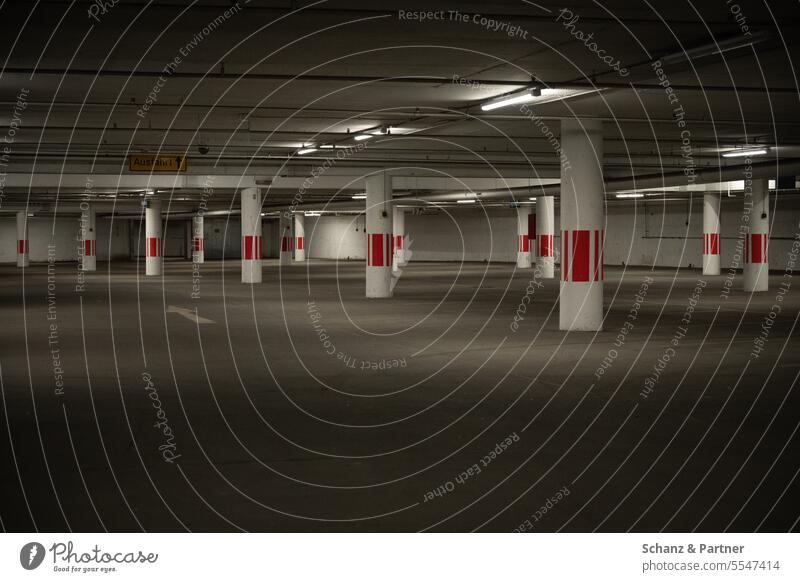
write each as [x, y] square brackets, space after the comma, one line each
[545, 245]
[756, 248]
[580, 256]
[564, 255]
[153, 246]
[523, 247]
[379, 250]
[398, 242]
[299, 243]
[22, 247]
[713, 243]
[248, 242]
[88, 250]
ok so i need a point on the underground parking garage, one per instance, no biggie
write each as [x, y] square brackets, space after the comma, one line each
[349, 267]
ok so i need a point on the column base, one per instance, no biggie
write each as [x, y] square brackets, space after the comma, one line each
[581, 306]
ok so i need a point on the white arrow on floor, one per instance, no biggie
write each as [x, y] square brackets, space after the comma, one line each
[189, 314]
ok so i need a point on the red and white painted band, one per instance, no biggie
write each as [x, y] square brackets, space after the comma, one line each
[299, 243]
[523, 244]
[22, 247]
[755, 248]
[89, 248]
[546, 248]
[711, 243]
[398, 242]
[379, 250]
[582, 255]
[197, 243]
[153, 246]
[286, 244]
[251, 248]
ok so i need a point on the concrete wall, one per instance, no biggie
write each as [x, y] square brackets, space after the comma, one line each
[332, 237]
[112, 238]
[646, 233]
[223, 238]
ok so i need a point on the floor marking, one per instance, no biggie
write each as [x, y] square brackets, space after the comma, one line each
[189, 314]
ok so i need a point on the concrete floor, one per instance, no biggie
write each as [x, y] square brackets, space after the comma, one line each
[275, 434]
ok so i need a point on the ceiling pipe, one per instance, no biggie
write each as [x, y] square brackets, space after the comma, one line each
[354, 79]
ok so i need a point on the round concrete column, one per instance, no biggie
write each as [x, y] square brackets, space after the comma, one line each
[523, 245]
[285, 227]
[399, 238]
[756, 242]
[198, 240]
[88, 238]
[154, 259]
[299, 237]
[545, 234]
[582, 225]
[251, 235]
[379, 235]
[23, 248]
[711, 234]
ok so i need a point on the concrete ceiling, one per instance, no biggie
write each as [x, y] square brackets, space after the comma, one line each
[255, 85]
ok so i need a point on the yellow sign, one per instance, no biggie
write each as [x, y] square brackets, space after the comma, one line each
[157, 163]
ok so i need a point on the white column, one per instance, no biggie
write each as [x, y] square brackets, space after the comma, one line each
[711, 234]
[198, 240]
[523, 245]
[582, 225]
[545, 235]
[379, 235]
[756, 242]
[285, 228]
[299, 237]
[251, 235]
[398, 238]
[154, 259]
[88, 254]
[23, 247]
[532, 236]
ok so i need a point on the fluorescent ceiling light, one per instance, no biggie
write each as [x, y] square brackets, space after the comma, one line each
[532, 199]
[304, 151]
[326, 146]
[313, 214]
[359, 196]
[745, 152]
[513, 99]
[546, 95]
[362, 136]
[630, 195]
[467, 201]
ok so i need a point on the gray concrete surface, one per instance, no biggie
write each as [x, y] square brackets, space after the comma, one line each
[275, 434]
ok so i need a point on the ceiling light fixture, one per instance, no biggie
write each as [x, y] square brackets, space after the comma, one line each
[513, 99]
[629, 195]
[313, 214]
[740, 153]
[467, 201]
[362, 136]
[359, 196]
[532, 199]
[327, 146]
[304, 151]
